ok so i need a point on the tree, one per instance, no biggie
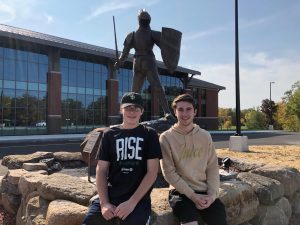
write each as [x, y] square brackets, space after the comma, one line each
[269, 108]
[255, 119]
[288, 116]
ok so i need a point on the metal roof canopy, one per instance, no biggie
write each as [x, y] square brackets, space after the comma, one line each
[63, 43]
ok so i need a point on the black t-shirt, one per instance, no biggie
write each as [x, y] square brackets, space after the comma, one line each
[128, 150]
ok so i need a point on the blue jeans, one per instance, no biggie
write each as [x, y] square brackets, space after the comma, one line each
[139, 216]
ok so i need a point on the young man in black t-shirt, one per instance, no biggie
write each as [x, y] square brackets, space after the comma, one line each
[128, 161]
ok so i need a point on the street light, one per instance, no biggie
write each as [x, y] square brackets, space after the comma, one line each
[271, 82]
[271, 113]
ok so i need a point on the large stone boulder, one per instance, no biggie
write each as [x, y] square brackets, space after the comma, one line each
[62, 212]
[240, 201]
[278, 214]
[267, 189]
[16, 161]
[60, 186]
[288, 177]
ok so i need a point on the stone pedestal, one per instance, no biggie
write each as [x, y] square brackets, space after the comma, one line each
[238, 143]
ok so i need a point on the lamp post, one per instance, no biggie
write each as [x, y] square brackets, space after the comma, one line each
[237, 73]
[271, 113]
[238, 142]
[271, 82]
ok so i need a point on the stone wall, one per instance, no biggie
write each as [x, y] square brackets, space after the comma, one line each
[264, 195]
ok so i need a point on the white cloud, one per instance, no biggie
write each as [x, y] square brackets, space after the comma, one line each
[7, 13]
[49, 18]
[117, 5]
[25, 10]
[205, 33]
[256, 73]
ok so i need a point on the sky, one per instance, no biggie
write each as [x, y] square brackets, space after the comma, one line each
[269, 36]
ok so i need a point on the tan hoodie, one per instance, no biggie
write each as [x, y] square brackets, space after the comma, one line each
[189, 161]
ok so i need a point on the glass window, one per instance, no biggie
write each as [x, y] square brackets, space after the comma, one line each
[81, 101]
[43, 59]
[21, 117]
[21, 98]
[1, 69]
[33, 86]
[33, 57]
[73, 63]
[21, 70]
[64, 89]
[33, 72]
[72, 77]
[43, 69]
[80, 78]
[21, 55]
[97, 80]
[9, 84]
[21, 85]
[97, 68]
[1, 52]
[9, 69]
[43, 87]
[89, 66]
[9, 53]
[64, 76]
[81, 65]
[42, 99]
[89, 101]
[64, 62]
[89, 79]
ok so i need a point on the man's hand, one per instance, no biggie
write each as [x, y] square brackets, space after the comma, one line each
[124, 209]
[202, 201]
[108, 211]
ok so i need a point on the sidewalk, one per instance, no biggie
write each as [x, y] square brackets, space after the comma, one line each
[41, 138]
[80, 137]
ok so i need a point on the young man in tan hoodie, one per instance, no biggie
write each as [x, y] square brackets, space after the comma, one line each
[190, 166]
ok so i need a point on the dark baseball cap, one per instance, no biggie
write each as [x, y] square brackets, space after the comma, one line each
[132, 98]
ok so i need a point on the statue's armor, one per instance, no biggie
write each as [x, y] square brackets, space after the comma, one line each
[144, 64]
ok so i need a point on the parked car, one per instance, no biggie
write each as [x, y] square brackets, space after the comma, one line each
[41, 124]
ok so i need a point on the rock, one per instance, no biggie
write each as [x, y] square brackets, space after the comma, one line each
[244, 165]
[11, 202]
[278, 214]
[36, 211]
[60, 186]
[67, 156]
[240, 201]
[62, 212]
[161, 210]
[267, 189]
[29, 183]
[16, 161]
[288, 177]
[35, 166]
[295, 202]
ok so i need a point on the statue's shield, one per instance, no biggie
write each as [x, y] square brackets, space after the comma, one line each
[170, 47]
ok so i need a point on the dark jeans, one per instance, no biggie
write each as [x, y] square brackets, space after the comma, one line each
[185, 210]
[139, 216]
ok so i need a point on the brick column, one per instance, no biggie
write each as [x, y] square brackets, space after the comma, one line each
[211, 103]
[155, 103]
[112, 101]
[54, 102]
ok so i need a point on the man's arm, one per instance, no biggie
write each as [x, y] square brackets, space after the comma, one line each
[107, 209]
[169, 169]
[125, 208]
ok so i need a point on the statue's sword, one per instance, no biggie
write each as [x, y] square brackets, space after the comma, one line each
[116, 44]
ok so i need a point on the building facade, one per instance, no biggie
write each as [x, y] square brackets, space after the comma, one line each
[52, 85]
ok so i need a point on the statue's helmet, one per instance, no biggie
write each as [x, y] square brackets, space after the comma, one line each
[144, 15]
